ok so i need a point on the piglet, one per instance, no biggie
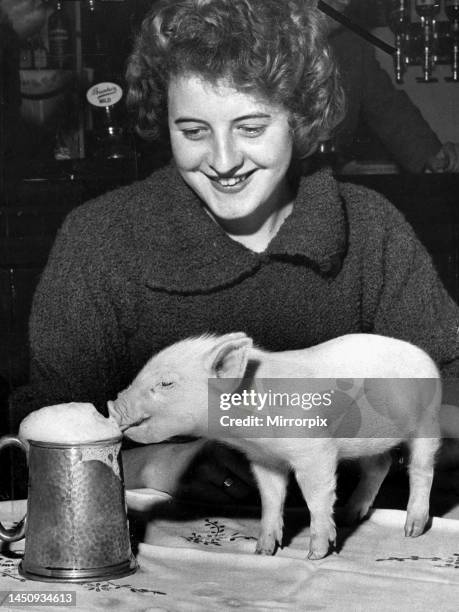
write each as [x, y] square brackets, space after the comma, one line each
[169, 397]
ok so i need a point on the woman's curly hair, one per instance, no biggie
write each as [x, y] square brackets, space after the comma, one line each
[275, 49]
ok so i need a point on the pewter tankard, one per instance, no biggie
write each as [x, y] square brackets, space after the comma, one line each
[76, 527]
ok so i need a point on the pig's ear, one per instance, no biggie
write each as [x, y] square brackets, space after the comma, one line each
[228, 358]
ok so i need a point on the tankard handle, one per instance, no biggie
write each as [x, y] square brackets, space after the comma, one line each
[17, 532]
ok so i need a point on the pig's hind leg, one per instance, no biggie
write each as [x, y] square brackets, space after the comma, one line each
[317, 481]
[272, 484]
[373, 470]
[420, 471]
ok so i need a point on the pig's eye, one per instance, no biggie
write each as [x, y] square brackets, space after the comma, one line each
[164, 384]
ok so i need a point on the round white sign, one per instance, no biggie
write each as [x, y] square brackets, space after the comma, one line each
[104, 94]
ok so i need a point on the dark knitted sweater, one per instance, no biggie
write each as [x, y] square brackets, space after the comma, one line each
[144, 266]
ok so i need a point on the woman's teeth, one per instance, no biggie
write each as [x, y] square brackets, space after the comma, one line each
[231, 182]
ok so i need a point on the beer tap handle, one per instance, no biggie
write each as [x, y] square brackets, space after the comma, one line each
[452, 12]
[427, 11]
[399, 64]
[398, 18]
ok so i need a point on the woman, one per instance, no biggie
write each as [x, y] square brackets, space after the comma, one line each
[228, 237]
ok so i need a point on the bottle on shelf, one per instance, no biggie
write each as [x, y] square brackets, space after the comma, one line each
[59, 41]
[93, 31]
[26, 55]
[108, 136]
[40, 53]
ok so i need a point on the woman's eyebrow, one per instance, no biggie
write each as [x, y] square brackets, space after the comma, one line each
[242, 118]
[189, 120]
[254, 116]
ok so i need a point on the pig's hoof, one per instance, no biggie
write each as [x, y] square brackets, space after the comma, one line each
[317, 554]
[269, 538]
[318, 549]
[313, 556]
[414, 526]
[265, 550]
[265, 546]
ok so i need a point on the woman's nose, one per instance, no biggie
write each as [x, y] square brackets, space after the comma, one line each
[225, 157]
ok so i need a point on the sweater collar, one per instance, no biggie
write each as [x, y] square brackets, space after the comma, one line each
[197, 256]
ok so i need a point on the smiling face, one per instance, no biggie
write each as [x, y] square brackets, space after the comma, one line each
[232, 148]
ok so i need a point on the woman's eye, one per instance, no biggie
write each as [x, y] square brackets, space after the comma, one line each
[252, 131]
[194, 133]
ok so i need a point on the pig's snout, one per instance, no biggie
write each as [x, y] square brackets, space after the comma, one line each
[113, 413]
[116, 412]
[124, 414]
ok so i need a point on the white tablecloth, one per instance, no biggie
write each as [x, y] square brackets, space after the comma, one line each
[198, 559]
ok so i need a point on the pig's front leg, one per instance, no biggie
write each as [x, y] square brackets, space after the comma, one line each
[272, 484]
[317, 481]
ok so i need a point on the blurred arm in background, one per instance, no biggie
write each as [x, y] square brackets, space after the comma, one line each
[388, 111]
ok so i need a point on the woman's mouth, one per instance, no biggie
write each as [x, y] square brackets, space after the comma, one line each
[232, 184]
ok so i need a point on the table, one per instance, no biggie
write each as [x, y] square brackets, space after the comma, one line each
[195, 558]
